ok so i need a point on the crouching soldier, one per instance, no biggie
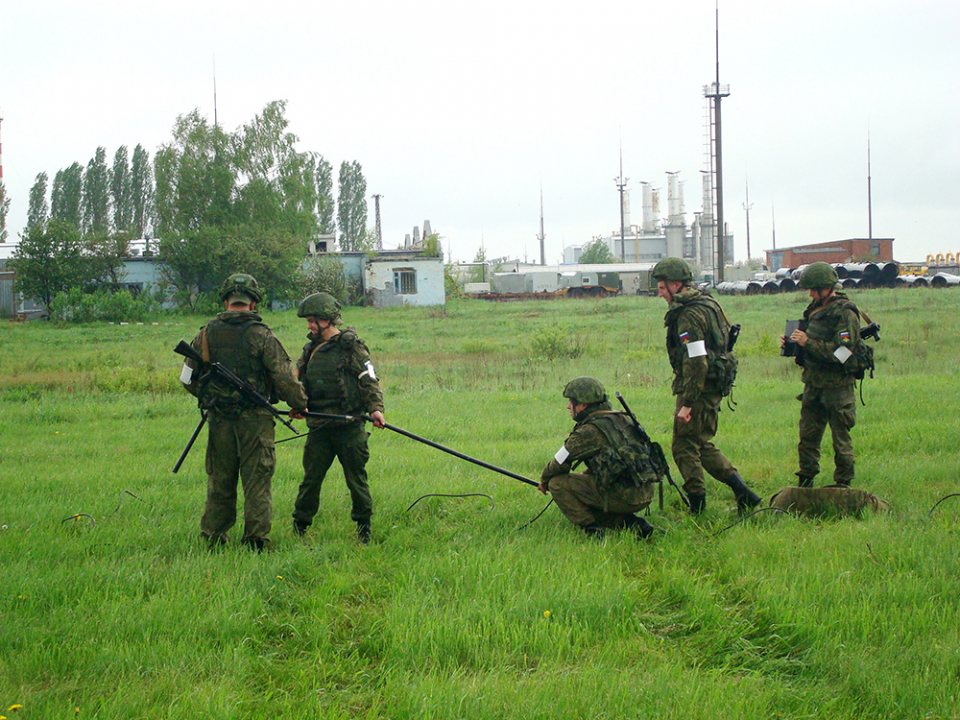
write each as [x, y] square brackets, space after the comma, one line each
[619, 478]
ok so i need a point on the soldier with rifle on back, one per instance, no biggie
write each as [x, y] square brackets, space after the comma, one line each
[699, 345]
[240, 443]
[619, 478]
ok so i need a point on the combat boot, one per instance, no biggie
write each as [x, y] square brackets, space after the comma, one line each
[363, 532]
[299, 529]
[255, 544]
[639, 525]
[746, 498]
[698, 503]
[805, 482]
[593, 530]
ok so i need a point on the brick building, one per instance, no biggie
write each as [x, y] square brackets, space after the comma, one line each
[838, 251]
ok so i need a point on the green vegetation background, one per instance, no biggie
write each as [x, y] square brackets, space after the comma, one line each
[453, 612]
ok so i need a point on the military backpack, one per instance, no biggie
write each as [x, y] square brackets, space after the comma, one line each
[625, 461]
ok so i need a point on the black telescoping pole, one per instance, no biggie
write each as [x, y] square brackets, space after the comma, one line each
[425, 441]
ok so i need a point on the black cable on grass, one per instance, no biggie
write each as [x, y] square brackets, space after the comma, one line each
[523, 527]
[122, 493]
[452, 496]
[747, 517]
[946, 497]
[78, 516]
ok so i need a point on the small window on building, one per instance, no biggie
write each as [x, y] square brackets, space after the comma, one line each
[875, 249]
[405, 281]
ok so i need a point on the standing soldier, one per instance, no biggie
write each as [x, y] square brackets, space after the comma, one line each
[240, 441]
[831, 334]
[339, 378]
[619, 477]
[697, 338]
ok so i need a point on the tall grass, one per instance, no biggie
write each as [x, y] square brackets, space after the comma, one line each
[110, 603]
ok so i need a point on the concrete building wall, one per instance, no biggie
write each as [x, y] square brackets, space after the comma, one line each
[393, 279]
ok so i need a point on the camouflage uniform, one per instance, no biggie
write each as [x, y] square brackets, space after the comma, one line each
[693, 317]
[339, 380]
[582, 497]
[828, 391]
[241, 435]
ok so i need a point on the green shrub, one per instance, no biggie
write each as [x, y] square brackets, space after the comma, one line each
[555, 342]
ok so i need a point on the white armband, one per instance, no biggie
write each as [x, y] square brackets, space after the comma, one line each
[186, 375]
[369, 371]
[697, 349]
[562, 455]
[842, 354]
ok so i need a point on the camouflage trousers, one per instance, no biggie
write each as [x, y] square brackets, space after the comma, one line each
[348, 444]
[239, 448]
[820, 406]
[693, 449]
[583, 503]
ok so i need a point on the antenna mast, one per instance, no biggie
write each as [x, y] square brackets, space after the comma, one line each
[869, 193]
[621, 185]
[541, 237]
[716, 92]
[746, 206]
[376, 205]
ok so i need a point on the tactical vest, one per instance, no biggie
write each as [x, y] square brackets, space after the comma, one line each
[625, 462]
[231, 343]
[331, 385]
[721, 365]
[821, 324]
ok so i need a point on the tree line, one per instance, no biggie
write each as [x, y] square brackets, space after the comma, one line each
[210, 203]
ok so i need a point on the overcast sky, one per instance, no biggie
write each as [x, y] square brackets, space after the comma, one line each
[460, 112]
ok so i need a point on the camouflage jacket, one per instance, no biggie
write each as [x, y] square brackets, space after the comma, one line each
[585, 441]
[692, 318]
[242, 343]
[829, 328]
[339, 377]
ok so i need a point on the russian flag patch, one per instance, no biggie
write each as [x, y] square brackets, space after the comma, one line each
[684, 337]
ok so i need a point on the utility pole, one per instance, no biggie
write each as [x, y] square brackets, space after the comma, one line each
[869, 193]
[621, 185]
[773, 215]
[376, 205]
[716, 92]
[746, 206]
[541, 237]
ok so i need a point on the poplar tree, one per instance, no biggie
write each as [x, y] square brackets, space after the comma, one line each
[352, 207]
[37, 210]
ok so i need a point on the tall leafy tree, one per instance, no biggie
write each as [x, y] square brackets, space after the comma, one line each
[66, 195]
[141, 192]
[352, 206]
[38, 209]
[120, 190]
[195, 178]
[325, 206]
[4, 210]
[596, 252]
[96, 194]
[49, 260]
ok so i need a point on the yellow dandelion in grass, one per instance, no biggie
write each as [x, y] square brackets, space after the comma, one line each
[14, 708]
[546, 614]
[279, 577]
[3, 717]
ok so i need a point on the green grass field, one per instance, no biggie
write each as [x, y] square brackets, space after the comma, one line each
[454, 612]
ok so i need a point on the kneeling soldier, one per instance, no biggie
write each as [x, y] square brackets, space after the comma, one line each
[619, 479]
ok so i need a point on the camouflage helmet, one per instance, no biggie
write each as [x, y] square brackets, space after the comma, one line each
[818, 276]
[242, 284]
[672, 269]
[585, 390]
[321, 305]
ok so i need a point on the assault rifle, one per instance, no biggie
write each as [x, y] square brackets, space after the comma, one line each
[660, 465]
[216, 371]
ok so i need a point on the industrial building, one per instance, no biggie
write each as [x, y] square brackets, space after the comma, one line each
[875, 250]
[656, 238]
